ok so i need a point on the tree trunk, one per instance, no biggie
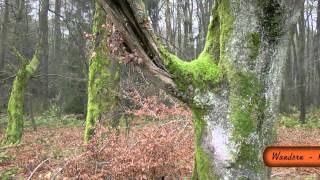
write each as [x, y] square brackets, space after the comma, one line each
[179, 28]
[233, 87]
[4, 34]
[316, 51]
[103, 80]
[43, 29]
[3, 47]
[301, 75]
[16, 102]
[57, 37]
[169, 32]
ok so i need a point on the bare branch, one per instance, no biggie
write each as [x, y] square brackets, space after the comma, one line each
[22, 60]
[35, 170]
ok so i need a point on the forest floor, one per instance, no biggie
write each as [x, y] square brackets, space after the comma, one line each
[165, 148]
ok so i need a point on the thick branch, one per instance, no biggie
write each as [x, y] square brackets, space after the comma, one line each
[137, 34]
[22, 60]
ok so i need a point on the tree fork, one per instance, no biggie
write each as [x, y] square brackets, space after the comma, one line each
[232, 87]
[15, 109]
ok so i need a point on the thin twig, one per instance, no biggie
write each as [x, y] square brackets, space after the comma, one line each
[7, 78]
[35, 170]
[59, 169]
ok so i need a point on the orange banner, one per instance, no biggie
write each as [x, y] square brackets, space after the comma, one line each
[292, 156]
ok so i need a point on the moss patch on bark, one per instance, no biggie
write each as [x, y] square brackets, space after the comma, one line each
[102, 82]
[15, 110]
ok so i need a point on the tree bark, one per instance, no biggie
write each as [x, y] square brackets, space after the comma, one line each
[316, 51]
[169, 31]
[301, 75]
[152, 6]
[4, 34]
[57, 36]
[15, 109]
[233, 87]
[179, 27]
[103, 80]
[3, 47]
[43, 29]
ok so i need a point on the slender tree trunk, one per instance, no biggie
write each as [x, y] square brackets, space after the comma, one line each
[301, 75]
[3, 47]
[232, 87]
[57, 35]
[190, 49]
[43, 28]
[169, 32]
[30, 109]
[295, 66]
[185, 28]
[316, 51]
[14, 129]
[179, 27]
[3, 44]
[286, 87]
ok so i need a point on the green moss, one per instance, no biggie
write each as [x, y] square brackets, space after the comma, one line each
[203, 167]
[245, 95]
[249, 157]
[254, 46]
[16, 101]
[101, 81]
[97, 75]
[247, 104]
[199, 125]
[202, 72]
[226, 24]
[212, 44]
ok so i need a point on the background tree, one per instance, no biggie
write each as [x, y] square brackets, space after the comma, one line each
[4, 33]
[300, 85]
[43, 35]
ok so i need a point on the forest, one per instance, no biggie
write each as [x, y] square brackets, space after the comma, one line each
[157, 89]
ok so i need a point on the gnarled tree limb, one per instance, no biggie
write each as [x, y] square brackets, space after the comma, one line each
[138, 36]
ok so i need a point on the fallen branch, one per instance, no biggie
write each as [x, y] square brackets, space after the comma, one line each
[59, 169]
[35, 170]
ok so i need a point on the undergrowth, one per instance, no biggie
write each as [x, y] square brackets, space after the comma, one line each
[292, 120]
[51, 118]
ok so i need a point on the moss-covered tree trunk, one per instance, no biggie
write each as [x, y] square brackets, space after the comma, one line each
[103, 80]
[16, 101]
[233, 86]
